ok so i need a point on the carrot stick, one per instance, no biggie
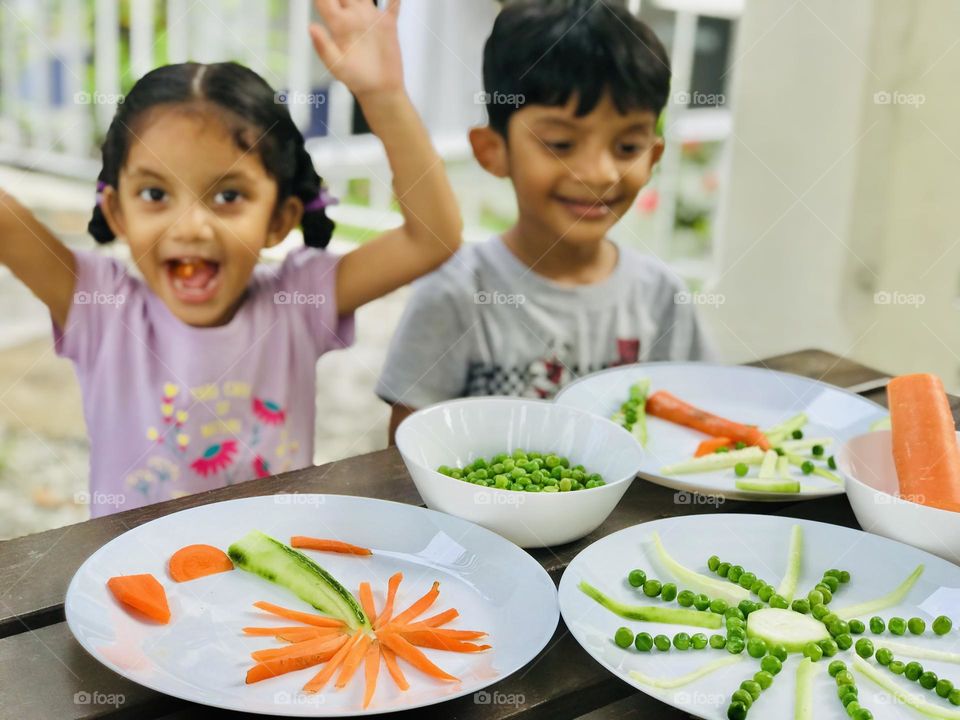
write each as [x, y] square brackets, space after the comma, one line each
[429, 639]
[413, 656]
[308, 618]
[307, 647]
[392, 585]
[419, 607]
[666, 406]
[326, 545]
[371, 668]
[711, 445]
[194, 561]
[321, 678]
[273, 668]
[925, 450]
[308, 633]
[440, 618]
[366, 600]
[390, 658]
[143, 593]
[278, 631]
[448, 633]
[353, 660]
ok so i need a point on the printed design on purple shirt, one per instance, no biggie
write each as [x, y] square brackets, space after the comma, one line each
[215, 458]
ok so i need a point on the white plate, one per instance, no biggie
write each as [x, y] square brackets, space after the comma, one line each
[758, 543]
[202, 655]
[753, 396]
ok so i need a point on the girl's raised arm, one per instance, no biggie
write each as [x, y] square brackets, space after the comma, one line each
[360, 47]
[37, 258]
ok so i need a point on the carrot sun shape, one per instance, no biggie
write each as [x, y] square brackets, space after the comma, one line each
[311, 543]
[666, 406]
[923, 434]
[194, 561]
[143, 593]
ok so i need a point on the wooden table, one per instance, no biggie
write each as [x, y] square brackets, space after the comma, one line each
[44, 671]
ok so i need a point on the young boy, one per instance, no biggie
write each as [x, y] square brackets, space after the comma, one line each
[574, 89]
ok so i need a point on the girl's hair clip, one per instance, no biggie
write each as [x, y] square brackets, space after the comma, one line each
[323, 200]
[100, 186]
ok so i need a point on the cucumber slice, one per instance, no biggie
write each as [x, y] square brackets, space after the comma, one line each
[260, 554]
[788, 586]
[882, 603]
[795, 446]
[785, 429]
[670, 616]
[803, 702]
[715, 461]
[671, 683]
[917, 703]
[768, 468]
[775, 485]
[785, 627]
[714, 587]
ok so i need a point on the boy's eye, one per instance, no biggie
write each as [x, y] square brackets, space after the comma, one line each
[558, 146]
[629, 148]
[152, 194]
[227, 197]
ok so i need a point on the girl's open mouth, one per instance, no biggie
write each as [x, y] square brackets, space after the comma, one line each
[194, 280]
[588, 210]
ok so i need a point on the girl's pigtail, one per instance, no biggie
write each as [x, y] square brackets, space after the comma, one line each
[98, 226]
[316, 225]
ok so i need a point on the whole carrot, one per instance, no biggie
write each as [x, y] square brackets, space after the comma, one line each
[666, 406]
[924, 440]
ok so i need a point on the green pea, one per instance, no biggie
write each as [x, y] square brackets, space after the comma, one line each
[745, 607]
[763, 679]
[832, 462]
[897, 667]
[779, 652]
[877, 625]
[701, 602]
[928, 680]
[668, 592]
[565, 485]
[734, 612]
[643, 642]
[756, 648]
[829, 647]
[916, 625]
[738, 633]
[681, 641]
[897, 625]
[942, 625]
[913, 671]
[815, 597]
[737, 711]
[831, 582]
[742, 696]
[735, 645]
[857, 627]
[944, 687]
[685, 598]
[746, 580]
[623, 637]
[698, 641]
[954, 697]
[801, 606]
[741, 469]
[844, 641]
[752, 687]
[844, 576]
[734, 573]
[662, 643]
[836, 667]
[845, 677]
[806, 467]
[797, 434]
[723, 569]
[766, 592]
[819, 611]
[718, 606]
[713, 562]
[813, 651]
[825, 591]
[864, 648]
[718, 642]
[652, 588]
[779, 601]
[817, 450]
[757, 584]
[884, 655]
[771, 664]
[861, 714]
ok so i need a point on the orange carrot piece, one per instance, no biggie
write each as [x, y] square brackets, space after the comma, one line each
[440, 618]
[449, 633]
[321, 678]
[711, 445]
[419, 607]
[308, 618]
[666, 406]
[366, 601]
[392, 585]
[144, 593]
[923, 435]
[390, 658]
[371, 668]
[413, 656]
[308, 647]
[195, 561]
[274, 668]
[326, 545]
[430, 639]
[309, 633]
[283, 630]
[353, 660]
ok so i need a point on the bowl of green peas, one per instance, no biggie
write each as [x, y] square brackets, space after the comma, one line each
[537, 473]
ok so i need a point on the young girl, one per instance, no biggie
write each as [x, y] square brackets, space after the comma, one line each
[200, 373]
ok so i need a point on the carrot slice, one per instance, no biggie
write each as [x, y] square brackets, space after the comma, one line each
[449, 633]
[430, 639]
[419, 607]
[366, 600]
[390, 658]
[306, 631]
[326, 545]
[308, 618]
[371, 668]
[440, 618]
[273, 668]
[195, 561]
[413, 656]
[925, 450]
[393, 667]
[711, 445]
[308, 647]
[321, 678]
[143, 593]
[392, 585]
[666, 406]
[353, 660]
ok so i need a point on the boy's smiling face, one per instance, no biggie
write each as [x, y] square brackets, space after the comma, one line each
[574, 177]
[196, 210]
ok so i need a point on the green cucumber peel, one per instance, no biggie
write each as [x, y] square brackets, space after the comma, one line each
[768, 468]
[785, 429]
[803, 702]
[788, 586]
[715, 461]
[646, 613]
[714, 587]
[894, 597]
[907, 698]
[775, 485]
[817, 470]
[671, 683]
[919, 653]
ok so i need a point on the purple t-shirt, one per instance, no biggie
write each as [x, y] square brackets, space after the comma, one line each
[173, 409]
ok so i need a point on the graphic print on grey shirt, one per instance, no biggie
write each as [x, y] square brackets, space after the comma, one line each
[486, 324]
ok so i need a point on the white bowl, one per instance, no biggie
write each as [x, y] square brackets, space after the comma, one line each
[457, 432]
[866, 462]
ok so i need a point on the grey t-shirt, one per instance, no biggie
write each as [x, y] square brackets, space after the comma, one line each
[486, 324]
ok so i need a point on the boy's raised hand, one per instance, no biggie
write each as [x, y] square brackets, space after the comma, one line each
[359, 44]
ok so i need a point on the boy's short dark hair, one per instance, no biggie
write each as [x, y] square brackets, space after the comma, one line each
[544, 52]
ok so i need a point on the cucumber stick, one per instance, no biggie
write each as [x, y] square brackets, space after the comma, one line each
[784, 430]
[882, 603]
[788, 586]
[714, 587]
[768, 468]
[680, 681]
[775, 485]
[920, 653]
[715, 461]
[803, 704]
[260, 554]
[648, 613]
[921, 705]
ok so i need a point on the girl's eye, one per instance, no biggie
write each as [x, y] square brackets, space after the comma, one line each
[629, 148]
[227, 197]
[558, 146]
[152, 194]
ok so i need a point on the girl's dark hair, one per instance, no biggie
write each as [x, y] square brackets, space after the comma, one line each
[544, 52]
[252, 111]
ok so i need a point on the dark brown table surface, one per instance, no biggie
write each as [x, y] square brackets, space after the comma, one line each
[42, 667]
